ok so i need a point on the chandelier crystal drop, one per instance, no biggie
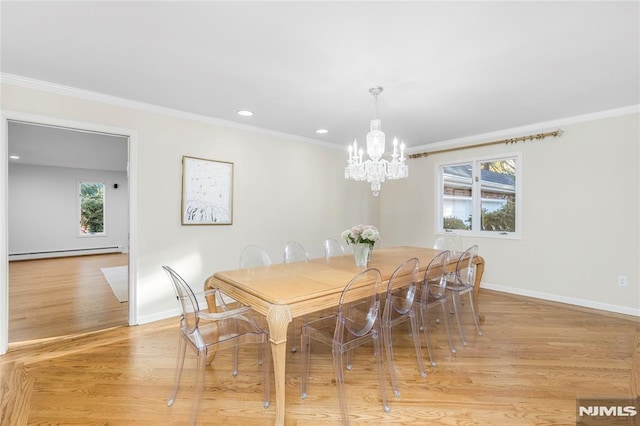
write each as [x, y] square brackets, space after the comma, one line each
[376, 169]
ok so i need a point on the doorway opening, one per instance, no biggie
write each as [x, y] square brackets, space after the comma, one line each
[62, 279]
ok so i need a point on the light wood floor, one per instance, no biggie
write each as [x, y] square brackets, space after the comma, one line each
[534, 360]
[62, 297]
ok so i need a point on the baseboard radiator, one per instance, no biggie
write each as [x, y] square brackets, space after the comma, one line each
[65, 253]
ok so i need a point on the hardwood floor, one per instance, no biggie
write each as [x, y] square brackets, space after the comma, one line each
[62, 297]
[534, 359]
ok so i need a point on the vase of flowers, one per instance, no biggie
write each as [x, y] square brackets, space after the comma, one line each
[363, 238]
[361, 254]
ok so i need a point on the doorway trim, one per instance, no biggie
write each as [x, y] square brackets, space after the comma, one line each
[5, 117]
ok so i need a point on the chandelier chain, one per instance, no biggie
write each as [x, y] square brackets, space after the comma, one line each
[375, 91]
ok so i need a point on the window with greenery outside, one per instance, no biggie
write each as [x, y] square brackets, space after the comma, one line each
[91, 208]
[480, 196]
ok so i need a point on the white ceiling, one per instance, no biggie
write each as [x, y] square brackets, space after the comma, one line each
[449, 69]
[61, 147]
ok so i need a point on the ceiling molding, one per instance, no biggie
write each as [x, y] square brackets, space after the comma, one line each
[30, 83]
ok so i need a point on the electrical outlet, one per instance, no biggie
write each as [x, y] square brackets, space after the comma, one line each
[622, 280]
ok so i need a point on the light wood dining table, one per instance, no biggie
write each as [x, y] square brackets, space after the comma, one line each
[282, 292]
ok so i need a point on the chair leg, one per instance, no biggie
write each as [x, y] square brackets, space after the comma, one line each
[427, 334]
[447, 326]
[182, 349]
[293, 335]
[386, 337]
[305, 347]
[350, 359]
[199, 385]
[475, 315]
[381, 377]
[210, 356]
[262, 322]
[455, 298]
[339, 374]
[265, 355]
[413, 325]
[235, 359]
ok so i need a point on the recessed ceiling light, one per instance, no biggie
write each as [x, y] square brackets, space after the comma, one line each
[14, 157]
[244, 113]
[322, 131]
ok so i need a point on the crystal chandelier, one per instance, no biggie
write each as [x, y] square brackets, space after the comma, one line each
[376, 169]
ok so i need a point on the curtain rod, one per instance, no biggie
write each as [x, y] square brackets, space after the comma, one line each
[537, 136]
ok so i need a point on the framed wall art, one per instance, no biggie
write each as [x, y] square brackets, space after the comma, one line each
[207, 192]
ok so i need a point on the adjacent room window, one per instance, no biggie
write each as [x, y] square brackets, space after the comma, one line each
[480, 196]
[91, 208]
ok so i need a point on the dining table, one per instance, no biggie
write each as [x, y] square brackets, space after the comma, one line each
[285, 291]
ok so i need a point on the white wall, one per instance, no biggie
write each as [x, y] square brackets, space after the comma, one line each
[284, 189]
[43, 209]
[580, 215]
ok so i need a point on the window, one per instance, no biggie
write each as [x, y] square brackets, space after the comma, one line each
[91, 208]
[480, 197]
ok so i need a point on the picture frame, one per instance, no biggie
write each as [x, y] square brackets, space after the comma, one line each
[207, 191]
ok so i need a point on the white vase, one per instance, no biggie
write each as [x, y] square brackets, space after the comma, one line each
[361, 254]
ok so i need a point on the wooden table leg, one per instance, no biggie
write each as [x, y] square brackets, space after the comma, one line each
[479, 261]
[213, 308]
[278, 318]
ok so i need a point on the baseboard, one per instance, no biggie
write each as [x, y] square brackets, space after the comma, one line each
[159, 316]
[65, 253]
[175, 312]
[562, 299]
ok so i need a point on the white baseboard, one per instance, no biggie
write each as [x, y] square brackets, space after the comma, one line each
[65, 253]
[174, 312]
[562, 299]
[159, 316]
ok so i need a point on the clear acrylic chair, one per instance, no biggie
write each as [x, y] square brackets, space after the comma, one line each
[452, 242]
[332, 248]
[462, 283]
[357, 322]
[401, 306]
[253, 256]
[207, 332]
[433, 294]
[295, 252]
[448, 241]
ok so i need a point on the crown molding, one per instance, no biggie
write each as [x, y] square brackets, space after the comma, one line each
[59, 89]
[30, 83]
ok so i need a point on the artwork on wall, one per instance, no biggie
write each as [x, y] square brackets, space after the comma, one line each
[207, 192]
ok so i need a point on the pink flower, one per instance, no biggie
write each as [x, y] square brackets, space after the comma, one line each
[367, 234]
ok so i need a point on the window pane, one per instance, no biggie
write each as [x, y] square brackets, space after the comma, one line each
[91, 208]
[498, 195]
[457, 201]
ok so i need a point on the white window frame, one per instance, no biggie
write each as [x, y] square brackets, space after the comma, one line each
[104, 210]
[476, 199]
